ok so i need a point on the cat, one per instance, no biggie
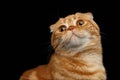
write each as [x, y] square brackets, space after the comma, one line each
[76, 40]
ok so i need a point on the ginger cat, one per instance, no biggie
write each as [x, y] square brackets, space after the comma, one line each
[78, 52]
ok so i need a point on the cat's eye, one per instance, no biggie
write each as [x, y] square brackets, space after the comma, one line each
[62, 28]
[80, 22]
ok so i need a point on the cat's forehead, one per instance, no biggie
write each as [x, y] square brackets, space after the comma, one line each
[71, 20]
[73, 17]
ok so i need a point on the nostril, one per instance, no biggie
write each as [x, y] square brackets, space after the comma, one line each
[71, 28]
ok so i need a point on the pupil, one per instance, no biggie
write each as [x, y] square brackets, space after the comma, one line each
[81, 22]
[62, 28]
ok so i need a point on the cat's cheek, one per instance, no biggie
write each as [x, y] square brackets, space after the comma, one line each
[54, 40]
[66, 36]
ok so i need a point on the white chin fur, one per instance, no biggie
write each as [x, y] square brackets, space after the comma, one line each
[74, 41]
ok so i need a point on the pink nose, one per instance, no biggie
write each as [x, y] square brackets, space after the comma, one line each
[71, 28]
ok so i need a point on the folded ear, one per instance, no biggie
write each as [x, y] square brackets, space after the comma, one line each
[90, 15]
[51, 28]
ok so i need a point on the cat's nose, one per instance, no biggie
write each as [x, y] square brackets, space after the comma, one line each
[71, 28]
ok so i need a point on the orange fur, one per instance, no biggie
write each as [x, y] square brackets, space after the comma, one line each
[78, 52]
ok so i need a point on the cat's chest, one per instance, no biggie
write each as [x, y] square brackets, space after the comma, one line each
[71, 69]
[66, 65]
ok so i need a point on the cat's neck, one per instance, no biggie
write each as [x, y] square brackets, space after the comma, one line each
[81, 53]
[93, 56]
[78, 52]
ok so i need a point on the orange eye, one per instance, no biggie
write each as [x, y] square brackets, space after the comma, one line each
[80, 22]
[62, 28]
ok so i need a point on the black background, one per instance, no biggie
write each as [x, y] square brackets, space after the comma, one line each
[29, 37]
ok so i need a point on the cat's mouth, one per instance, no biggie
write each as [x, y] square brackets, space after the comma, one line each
[78, 34]
[74, 34]
[75, 39]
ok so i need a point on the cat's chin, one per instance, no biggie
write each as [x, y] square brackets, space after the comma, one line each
[73, 45]
[74, 42]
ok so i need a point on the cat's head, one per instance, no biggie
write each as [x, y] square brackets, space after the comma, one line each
[74, 31]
